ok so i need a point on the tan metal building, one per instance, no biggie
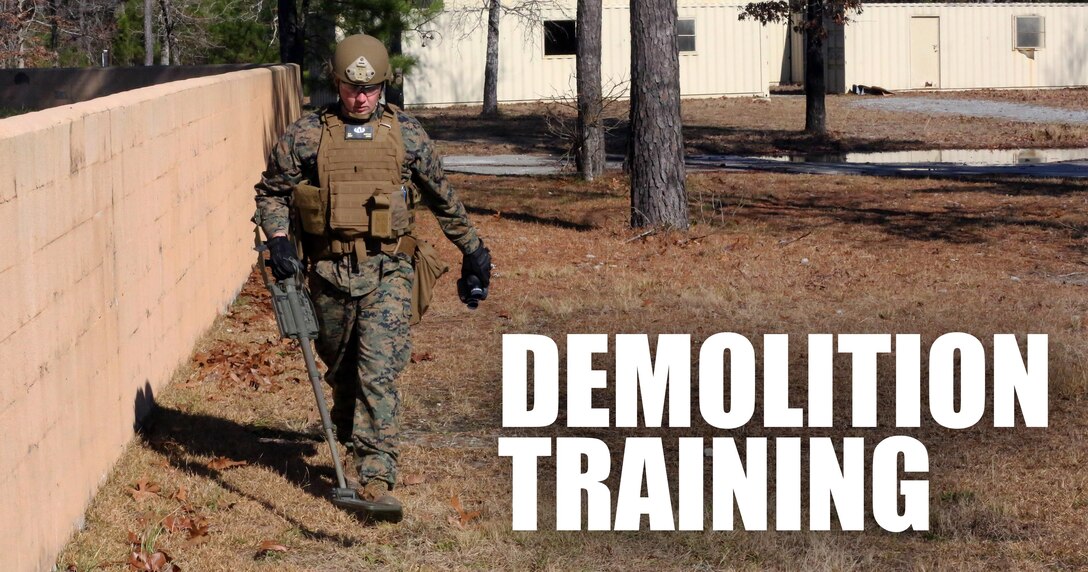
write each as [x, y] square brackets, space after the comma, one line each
[961, 46]
[896, 46]
[720, 55]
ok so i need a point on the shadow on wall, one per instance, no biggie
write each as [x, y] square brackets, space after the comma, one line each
[143, 406]
[36, 89]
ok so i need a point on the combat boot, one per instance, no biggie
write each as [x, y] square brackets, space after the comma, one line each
[384, 506]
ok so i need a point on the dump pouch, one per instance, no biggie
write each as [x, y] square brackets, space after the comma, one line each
[311, 208]
[428, 268]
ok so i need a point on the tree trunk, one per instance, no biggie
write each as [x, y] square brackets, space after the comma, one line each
[171, 53]
[491, 65]
[164, 16]
[149, 34]
[54, 32]
[815, 84]
[20, 58]
[658, 197]
[394, 91]
[290, 33]
[590, 155]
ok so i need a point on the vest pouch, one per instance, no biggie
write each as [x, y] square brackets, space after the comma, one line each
[350, 216]
[428, 269]
[381, 217]
[310, 207]
[400, 213]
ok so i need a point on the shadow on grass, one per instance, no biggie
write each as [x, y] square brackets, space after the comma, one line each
[179, 436]
[709, 140]
[528, 132]
[532, 219]
[954, 223]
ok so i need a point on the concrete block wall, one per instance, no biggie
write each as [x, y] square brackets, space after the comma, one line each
[123, 232]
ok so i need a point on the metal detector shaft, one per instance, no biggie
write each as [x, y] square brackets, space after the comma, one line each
[295, 303]
[297, 320]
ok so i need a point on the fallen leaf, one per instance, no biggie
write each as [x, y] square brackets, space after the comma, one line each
[175, 523]
[133, 539]
[463, 516]
[504, 315]
[198, 530]
[71, 568]
[144, 490]
[412, 479]
[181, 495]
[268, 546]
[425, 356]
[223, 463]
[157, 561]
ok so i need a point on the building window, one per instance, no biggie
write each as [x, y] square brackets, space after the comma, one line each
[560, 38]
[1029, 32]
[685, 35]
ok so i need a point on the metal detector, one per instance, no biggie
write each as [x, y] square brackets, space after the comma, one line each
[297, 320]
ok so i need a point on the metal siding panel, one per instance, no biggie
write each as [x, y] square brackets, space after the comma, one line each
[449, 69]
[778, 53]
[976, 46]
[616, 50]
[1063, 61]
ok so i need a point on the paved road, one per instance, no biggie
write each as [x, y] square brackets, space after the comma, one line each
[977, 108]
[547, 165]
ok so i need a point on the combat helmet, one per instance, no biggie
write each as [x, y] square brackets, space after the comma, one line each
[361, 60]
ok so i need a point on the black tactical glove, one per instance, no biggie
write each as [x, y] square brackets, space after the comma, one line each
[282, 257]
[475, 277]
[478, 263]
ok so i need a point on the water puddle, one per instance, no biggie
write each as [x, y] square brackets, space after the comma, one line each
[974, 157]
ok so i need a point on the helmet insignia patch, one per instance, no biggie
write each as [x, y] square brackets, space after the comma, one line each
[360, 71]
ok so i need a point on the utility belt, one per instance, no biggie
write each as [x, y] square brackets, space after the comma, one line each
[319, 247]
[427, 265]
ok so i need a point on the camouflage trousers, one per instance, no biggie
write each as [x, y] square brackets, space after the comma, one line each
[364, 341]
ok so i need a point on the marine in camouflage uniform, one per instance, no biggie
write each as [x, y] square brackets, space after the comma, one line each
[363, 299]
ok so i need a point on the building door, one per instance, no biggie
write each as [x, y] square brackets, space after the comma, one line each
[925, 52]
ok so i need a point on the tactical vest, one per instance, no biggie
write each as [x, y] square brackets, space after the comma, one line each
[361, 205]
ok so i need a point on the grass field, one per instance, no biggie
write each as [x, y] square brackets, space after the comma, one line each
[236, 466]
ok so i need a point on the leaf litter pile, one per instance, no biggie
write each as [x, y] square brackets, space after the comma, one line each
[231, 471]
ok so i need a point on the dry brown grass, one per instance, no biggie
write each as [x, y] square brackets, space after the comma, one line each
[770, 253]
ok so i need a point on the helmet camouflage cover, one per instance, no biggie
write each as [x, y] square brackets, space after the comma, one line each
[361, 60]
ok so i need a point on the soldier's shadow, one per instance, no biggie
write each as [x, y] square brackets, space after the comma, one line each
[188, 439]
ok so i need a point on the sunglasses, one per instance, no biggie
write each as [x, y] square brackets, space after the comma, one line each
[355, 90]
